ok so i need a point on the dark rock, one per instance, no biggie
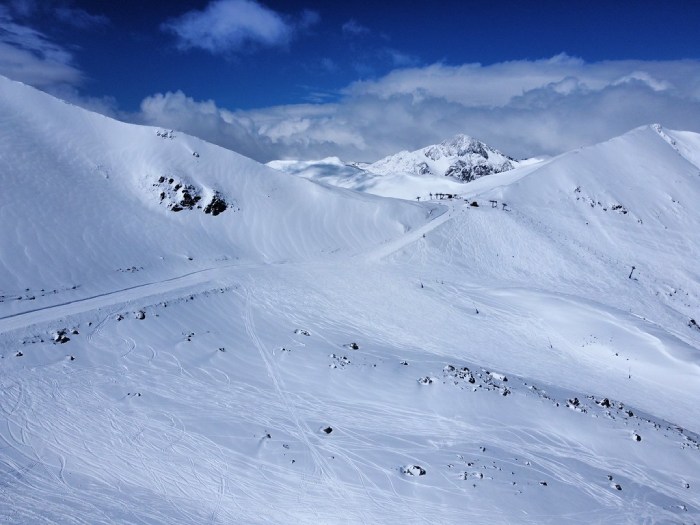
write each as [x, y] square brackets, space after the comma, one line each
[327, 430]
[474, 204]
[60, 337]
[187, 200]
[216, 206]
[414, 470]
[423, 168]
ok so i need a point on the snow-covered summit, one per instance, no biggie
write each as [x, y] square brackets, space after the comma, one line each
[440, 168]
[461, 157]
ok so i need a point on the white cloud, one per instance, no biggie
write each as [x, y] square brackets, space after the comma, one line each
[522, 107]
[203, 119]
[227, 26]
[495, 85]
[30, 56]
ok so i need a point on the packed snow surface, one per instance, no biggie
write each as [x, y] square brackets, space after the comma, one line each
[310, 354]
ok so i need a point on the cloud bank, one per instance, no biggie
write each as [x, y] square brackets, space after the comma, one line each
[32, 57]
[229, 26]
[524, 108]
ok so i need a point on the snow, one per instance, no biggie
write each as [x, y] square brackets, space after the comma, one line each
[208, 355]
[333, 172]
[409, 174]
[437, 159]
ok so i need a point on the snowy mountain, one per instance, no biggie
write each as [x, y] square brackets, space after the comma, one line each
[438, 169]
[310, 354]
[87, 196]
[462, 158]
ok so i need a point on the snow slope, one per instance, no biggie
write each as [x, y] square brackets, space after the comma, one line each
[364, 360]
[90, 199]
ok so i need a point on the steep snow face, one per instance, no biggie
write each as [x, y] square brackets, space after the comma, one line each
[462, 158]
[89, 197]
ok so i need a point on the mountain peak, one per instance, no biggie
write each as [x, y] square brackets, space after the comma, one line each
[461, 157]
[458, 140]
[459, 146]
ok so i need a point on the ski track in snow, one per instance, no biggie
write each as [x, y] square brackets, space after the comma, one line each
[374, 482]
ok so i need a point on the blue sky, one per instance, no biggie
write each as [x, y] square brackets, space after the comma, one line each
[363, 79]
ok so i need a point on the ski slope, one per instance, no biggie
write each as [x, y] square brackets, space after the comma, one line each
[327, 356]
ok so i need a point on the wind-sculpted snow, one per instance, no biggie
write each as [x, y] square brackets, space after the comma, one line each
[520, 353]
